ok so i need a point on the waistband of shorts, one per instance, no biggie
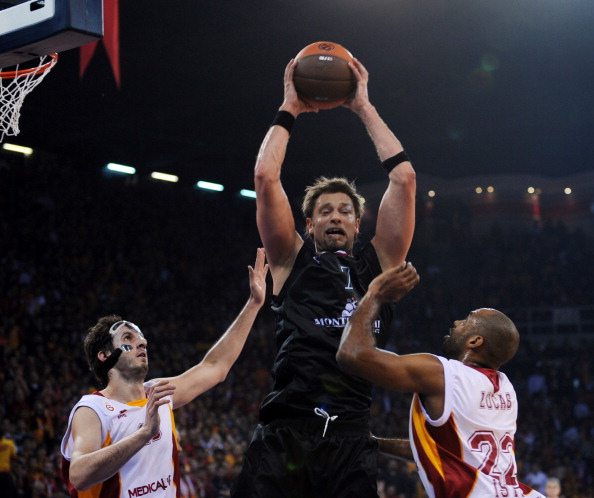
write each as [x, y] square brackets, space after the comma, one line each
[308, 423]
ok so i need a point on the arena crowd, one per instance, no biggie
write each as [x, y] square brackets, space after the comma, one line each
[75, 246]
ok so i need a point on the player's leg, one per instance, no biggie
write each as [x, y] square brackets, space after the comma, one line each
[274, 466]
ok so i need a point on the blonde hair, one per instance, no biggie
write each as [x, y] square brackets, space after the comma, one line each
[324, 185]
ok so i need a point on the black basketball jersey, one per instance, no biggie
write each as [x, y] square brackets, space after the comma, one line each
[312, 310]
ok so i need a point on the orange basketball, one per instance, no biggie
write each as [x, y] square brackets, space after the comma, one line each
[322, 76]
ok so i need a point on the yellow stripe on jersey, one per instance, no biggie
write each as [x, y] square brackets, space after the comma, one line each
[427, 443]
[174, 429]
[138, 402]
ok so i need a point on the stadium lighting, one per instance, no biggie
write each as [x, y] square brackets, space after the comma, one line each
[165, 177]
[210, 186]
[567, 190]
[247, 193]
[530, 190]
[26, 151]
[490, 189]
[479, 190]
[431, 193]
[120, 168]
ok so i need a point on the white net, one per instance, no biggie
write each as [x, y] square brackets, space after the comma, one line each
[15, 85]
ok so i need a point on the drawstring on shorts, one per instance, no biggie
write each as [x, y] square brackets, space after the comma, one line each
[323, 413]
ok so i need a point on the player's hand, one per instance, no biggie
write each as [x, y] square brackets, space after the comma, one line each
[157, 396]
[292, 103]
[360, 99]
[395, 283]
[258, 277]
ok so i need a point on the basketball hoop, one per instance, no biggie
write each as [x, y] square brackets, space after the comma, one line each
[15, 85]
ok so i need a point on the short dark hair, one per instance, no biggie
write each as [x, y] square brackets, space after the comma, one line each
[324, 185]
[99, 339]
[501, 337]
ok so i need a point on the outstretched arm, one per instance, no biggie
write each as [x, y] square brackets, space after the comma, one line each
[397, 447]
[274, 217]
[90, 463]
[357, 354]
[217, 362]
[396, 214]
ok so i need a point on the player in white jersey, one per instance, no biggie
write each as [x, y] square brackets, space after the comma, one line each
[463, 413]
[121, 441]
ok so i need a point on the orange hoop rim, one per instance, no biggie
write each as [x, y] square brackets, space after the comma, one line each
[32, 70]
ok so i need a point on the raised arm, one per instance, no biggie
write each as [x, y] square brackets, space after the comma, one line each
[91, 464]
[357, 354]
[273, 210]
[217, 362]
[396, 214]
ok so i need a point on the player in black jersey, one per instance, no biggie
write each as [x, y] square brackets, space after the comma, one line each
[313, 438]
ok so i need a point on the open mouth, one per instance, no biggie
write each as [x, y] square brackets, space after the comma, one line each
[335, 231]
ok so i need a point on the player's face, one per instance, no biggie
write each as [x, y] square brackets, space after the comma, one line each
[334, 224]
[454, 343]
[133, 363]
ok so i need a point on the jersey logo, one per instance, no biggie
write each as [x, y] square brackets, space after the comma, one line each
[341, 321]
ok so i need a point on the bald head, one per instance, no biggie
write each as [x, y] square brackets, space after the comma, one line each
[501, 338]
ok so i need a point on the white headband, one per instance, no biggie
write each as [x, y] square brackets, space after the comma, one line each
[114, 328]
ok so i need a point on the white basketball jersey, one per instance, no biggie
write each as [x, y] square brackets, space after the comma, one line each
[152, 471]
[469, 450]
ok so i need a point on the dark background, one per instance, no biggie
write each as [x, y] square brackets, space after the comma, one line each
[470, 87]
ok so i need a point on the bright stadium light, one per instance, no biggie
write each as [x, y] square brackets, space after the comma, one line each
[530, 190]
[120, 168]
[567, 190]
[210, 186]
[490, 189]
[247, 193]
[26, 151]
[165, 177]
[431, 193]
[479, 190]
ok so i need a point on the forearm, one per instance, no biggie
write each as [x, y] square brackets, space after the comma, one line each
[385, 142]
[89, 469]
[271, 155]
[397, 447]
[227, 349]
[357, 335]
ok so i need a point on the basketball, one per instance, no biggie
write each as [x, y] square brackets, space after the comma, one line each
[322, 76]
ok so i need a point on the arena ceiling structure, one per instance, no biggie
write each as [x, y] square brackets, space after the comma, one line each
[470, 87]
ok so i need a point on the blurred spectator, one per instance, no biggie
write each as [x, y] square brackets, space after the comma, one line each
[8, 453]
[553, 488]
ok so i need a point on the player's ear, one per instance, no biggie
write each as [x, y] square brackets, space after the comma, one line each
[475, 341]
[309, 225]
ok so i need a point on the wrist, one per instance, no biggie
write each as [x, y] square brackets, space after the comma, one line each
[390, 163]
[285, 119]
[365, 110]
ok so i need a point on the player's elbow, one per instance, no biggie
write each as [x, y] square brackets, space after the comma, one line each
[264, 174]
[78, 478]
[404, 175]
[348, 359]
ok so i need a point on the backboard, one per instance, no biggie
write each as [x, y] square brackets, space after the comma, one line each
[32, 28]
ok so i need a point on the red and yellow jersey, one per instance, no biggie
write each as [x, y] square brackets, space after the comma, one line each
[153, 471]
[468, 452]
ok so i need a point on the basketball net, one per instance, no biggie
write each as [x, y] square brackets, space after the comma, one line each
[15, 85]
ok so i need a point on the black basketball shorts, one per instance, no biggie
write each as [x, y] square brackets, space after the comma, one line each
[291, 459]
